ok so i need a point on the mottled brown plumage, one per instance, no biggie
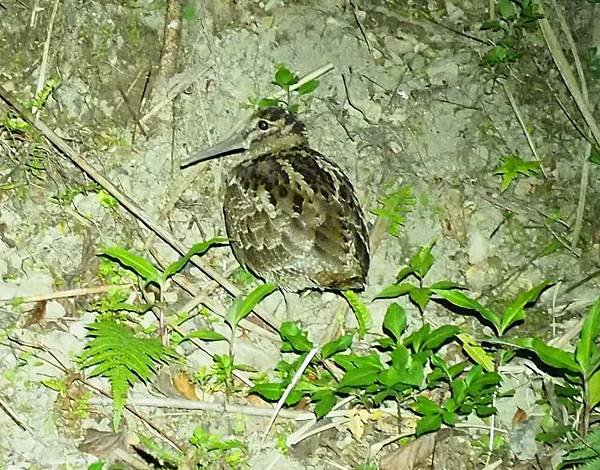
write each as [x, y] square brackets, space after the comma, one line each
[291, 214]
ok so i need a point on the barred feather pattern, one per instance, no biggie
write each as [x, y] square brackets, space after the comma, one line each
[293, 218]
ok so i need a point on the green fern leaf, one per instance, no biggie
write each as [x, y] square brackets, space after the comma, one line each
[116, 353]
[593, 464]
[394, 207]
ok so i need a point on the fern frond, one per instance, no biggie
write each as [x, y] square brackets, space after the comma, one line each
[394, 207]
[116, 353]
[593, 464]
[585, 451]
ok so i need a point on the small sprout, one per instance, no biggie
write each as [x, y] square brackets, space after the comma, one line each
[189, 13]
[514, 165]
[285, 79]
[106, 200]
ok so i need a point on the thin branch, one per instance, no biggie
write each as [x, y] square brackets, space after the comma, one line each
[80, 292]
[288, 390]
[567, 75]
[585, 164]
[44, 65]
[515, 108]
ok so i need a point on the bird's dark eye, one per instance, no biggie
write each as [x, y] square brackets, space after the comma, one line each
[263, 125]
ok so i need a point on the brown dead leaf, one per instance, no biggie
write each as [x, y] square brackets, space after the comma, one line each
[519, 416]
[184, 386]
[357, 423]
[407, 457]
[102, 443]
[36, 314]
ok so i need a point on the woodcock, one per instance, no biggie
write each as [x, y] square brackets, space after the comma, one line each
[291, 214]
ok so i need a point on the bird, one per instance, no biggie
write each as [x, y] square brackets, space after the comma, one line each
[291, 214]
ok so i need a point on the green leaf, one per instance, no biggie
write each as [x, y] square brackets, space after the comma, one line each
[459, 392]
[438, 336]
[242, 306]
[359, 377]
[267, 103]
[428, 424]
[284, 77]
[114, 352]
[515, 311]
[270, 391]
[394, 208]
[500, 55]
[389, 377]
[422, 261]
[485, 411]
[442, 367]
[418, 337]
[325, 404]
[459, 299]
[197, 249]
[414, 375]
[294, 338]
[394, 321]
[425, 406]
[204, 335]
[420, 296]
[394, 290]
[445, 285]
[507, 9]
[96, 465]
[400, 358]
[594, 389]
[403, 274]
[513, 166]
[595, 155]
[307, 87]
[337, 345]
[449, 418]
[361, 312]
[139, 265]
[476, 352]
[551, 356]
[587, 350]
[189, 13]
[456, 369]
[349, 361]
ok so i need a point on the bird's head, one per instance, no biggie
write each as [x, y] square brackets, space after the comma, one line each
[268, 130]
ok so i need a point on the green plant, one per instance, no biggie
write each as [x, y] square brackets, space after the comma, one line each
[16, 124]
[408, 367]
[398, 372]
[212, 449]
[66, 197]
[286, 80]
[580, 369]
[513, 166]
[394, 206]
[418, 267]
[146, 271]
[515, 19]
[117, 353]
[449, 291]
[584, 453]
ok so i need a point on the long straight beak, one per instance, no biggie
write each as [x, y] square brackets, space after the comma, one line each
[232, 144]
